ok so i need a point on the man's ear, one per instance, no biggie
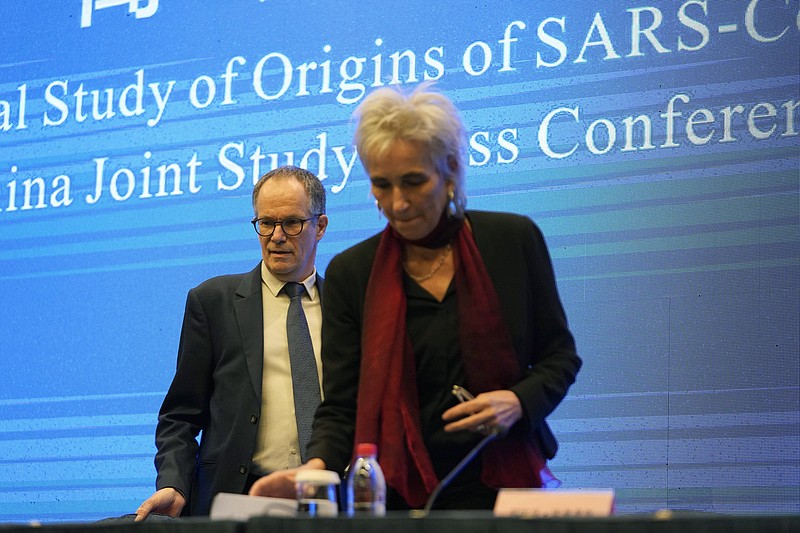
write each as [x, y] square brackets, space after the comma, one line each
[322, 225]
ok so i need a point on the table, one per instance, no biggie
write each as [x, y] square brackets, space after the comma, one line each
[442, 522]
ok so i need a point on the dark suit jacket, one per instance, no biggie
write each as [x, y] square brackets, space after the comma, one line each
[216, 390]
[516, 257]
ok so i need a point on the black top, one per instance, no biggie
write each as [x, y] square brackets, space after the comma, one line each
[433, 329]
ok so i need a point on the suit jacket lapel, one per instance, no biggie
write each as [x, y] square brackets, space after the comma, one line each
[250, 318]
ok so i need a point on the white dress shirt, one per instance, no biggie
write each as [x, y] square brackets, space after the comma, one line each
[276, 445]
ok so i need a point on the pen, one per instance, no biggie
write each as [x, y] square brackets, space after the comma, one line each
[462, 394]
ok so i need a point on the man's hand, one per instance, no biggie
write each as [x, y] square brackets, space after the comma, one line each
[280, 484]
[166, 501]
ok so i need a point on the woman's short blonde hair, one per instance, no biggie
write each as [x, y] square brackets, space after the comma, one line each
[423, 116]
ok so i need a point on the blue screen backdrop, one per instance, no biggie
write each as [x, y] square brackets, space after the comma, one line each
[657, 145]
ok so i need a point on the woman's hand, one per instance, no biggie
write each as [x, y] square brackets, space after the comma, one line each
[490, 412]
[280, 484]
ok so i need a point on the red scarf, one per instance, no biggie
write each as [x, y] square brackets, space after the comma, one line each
[388, 405]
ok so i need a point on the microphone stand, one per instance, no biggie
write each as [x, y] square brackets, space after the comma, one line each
[455, 471]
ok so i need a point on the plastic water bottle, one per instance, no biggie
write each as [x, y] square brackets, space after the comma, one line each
[366, 487]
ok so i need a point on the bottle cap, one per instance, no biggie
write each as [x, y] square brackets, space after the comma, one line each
[367, 449]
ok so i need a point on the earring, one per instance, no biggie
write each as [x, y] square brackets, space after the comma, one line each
[452, 208]
[378, 207]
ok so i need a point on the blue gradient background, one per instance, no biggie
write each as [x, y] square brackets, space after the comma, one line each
[678, 266]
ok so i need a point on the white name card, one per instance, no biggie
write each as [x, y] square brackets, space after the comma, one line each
[227, 506]
[535, 503]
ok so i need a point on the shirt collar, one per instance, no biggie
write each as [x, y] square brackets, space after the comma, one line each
[275, 285]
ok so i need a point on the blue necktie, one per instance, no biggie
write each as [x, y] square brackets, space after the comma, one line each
[305, 382]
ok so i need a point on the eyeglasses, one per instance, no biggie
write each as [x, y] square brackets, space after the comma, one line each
[291, 226]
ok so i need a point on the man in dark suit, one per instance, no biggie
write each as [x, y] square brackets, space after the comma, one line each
[233, 380]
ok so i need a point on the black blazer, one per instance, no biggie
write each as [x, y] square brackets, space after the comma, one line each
[516, 257]
[216, 390]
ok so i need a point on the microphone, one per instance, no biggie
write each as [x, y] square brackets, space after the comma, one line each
[463, 395]
[457, 470]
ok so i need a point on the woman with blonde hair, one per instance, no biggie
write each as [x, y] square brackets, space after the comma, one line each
[441, 297]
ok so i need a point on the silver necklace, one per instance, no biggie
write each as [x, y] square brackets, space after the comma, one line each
[434, 270]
